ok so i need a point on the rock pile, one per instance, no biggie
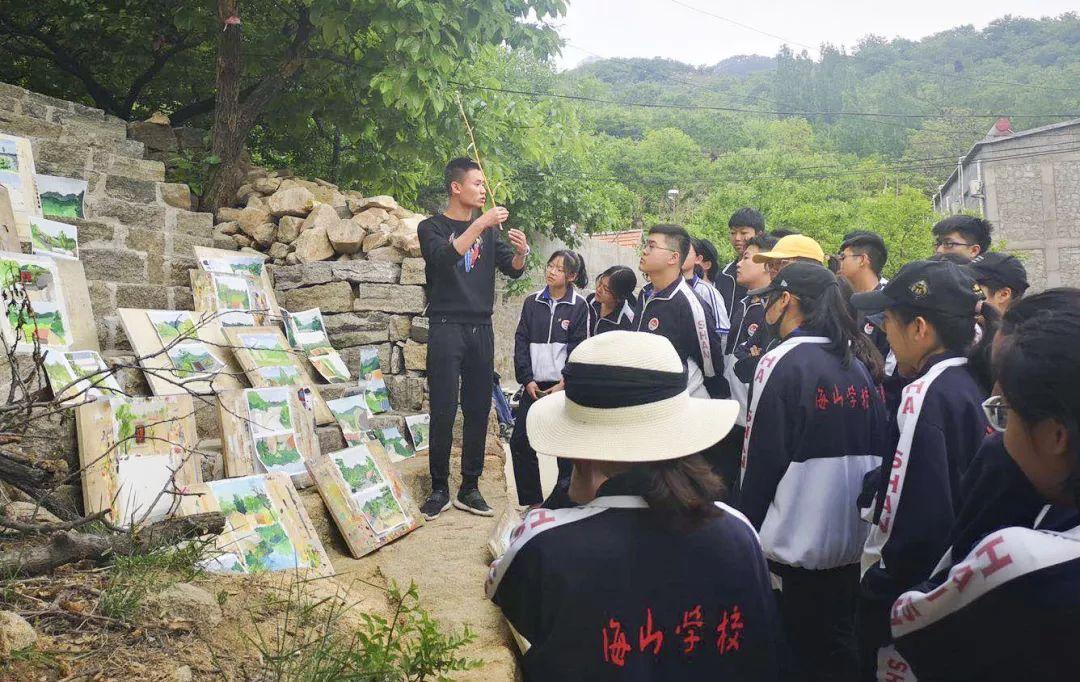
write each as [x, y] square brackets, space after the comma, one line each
[298, 221]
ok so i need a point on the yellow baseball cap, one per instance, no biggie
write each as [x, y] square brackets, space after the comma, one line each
[793, 246]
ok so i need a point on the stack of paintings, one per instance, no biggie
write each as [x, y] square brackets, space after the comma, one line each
[266, 526]
[234, 286]
[371, 378]
[267, 429]
[307, 333]
[79, 376]
[365, 496]
[138, 456]
[35, 312]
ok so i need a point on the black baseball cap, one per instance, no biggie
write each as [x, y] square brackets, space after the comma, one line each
[998, 270]
[933, 286]
[800, 279]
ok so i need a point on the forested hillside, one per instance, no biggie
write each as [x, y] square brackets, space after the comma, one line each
[822, 141]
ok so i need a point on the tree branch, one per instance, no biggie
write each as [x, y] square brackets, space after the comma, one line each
[140, 83]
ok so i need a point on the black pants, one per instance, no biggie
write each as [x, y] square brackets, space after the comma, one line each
[526, 467]
[818, 611]
[459, 356]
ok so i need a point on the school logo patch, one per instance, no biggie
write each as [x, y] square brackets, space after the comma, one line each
[565, 324]
[919, 289]
[752, 329]
[868, 329]
[653, 324]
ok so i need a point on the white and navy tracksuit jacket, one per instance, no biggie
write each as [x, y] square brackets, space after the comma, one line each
[747, 317]
[814, 429]
[604, 592]
[547, 333]
[679, 315]
[728, 285]
[711, 296]
[623, 319]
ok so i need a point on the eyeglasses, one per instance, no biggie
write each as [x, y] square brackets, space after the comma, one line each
[842, 256]
[650, 246]
[555, 268]
[997, 412]
[950, 244]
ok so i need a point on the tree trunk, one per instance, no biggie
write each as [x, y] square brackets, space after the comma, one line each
[233, 119]
[71, 546]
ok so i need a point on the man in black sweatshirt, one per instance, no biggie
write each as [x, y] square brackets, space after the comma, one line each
[460, 256]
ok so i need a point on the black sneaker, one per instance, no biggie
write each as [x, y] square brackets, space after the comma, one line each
[473, 502]
[437, 502]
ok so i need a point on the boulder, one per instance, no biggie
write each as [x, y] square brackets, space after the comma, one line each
[313, 245]
[322, 215]
[322, 194]
[228, 215]
[263, 235]
[176, 194]
[372, 218]
[278, 251]
[256, 200]
[334, 297]
[230, 228]
[354, 200]
[386, 203]
[15, 633]
[251, 218]
[243, 192]
[346, 236]
[406, 393]
[242, 240]
[375, 240]
[388, 254]
[288, 228]
[301, 275]
[254, 174]
[296, 201]
[291, 259]
[267, 185]
[412, 271]
[415, 355]
[399, 327]
[401, 213]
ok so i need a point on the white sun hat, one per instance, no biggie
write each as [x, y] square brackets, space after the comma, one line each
[626, 401]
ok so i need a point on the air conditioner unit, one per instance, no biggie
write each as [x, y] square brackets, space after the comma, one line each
[975, 188]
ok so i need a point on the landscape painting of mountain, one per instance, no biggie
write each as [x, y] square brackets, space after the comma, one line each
[54, 238]
[61, 197]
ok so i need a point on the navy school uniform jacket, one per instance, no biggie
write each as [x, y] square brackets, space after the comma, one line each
[462, 288]
[604, 592]
[937, 431]
[1009, 611]
[623, 319]
[728, 286]
[747, 317]
[680, 316]
[708, 293]
[814, 429]
[548, 331]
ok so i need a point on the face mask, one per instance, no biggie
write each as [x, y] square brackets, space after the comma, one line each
[774, 327]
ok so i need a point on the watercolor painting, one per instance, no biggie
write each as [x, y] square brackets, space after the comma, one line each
[381, 509]
[396, 446]
[9, 156]
[358, 468]
[193, 358]
[285, 375]
[84, 374]
[61, 197]
[234, 265]
[371, 377]
[420, 430]
[330, 366]
[45, 320]
[170, 325]
[266, 350]
[268, 411]
[147, 426]
[259, 533]
[52, 238]
[280, 453]
[233, 300]
[352, 415]
[369, 363]
[305, 330]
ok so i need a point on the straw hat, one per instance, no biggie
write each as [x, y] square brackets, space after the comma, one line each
[793, 246]
[626, 401]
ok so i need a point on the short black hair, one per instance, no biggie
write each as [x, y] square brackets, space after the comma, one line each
[950, 257]
[869, 243]
[678, 234]
[977, 230]
[764, 242]
[456, 170]
[747, 217]
[782, 232]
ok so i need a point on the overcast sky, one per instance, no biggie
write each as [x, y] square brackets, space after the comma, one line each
[664, 28]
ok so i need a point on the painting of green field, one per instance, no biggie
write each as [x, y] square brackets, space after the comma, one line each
[381, 509]
[330, 366]
[43, 322]
[9, 156]
[266, 350]
[419, 428]
[279, 453]
[352, 416]
[171, 324]
[232, 292]
[268, 410]
[376, 395]
[54, 238]
[396, 446]
[261, 537]
[369, 363]
[61, 197]
[358, 468]
[284, 375]
[193, 358]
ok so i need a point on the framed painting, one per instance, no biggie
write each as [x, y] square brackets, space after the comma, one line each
[179, 352]
[137, 456]
[268, 361]
[365, 496]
